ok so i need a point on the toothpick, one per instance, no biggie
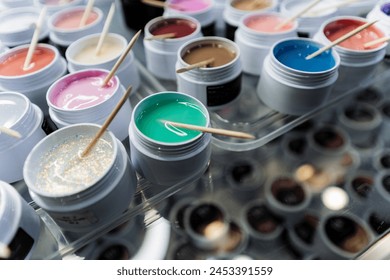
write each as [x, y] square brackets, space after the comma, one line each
[199, 64]
[86, 13]
[298, 14]
[5, 251]
[157, 4]
[34, 39]
[107, 122]
[121, 58]
[218, 131]
[341, 39]
[105, 29]
[377, 41]
[10, 132]
[161, 36]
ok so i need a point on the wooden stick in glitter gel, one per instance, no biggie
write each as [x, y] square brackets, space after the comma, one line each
[341, 39]
[121, 58]
[107, 122]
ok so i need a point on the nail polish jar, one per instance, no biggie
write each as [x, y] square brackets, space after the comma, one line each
[47, 66]
[310, 21]
[18, 26]
[341, 235]
[81, 55]
[161, 54]
[19, 114]
[380, 198]
[79, 98]
[78, 192]
[54, 6]
[357, 63]
[287, 198]
[20, 224]
[236, 9]
[291, 84]
[220, 82]
[255, 36]
[202, 10]
[162, 153]
[65, 28]
[381, 12]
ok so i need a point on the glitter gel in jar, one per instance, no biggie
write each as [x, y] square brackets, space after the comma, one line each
[19, 114]
[220, 82]
[65, 28]
[235, 10]
[201, 10]
[162, 153]
[80, 193]
[46, 66]
[20, 224]
[290, 83]
[255, 36]
[381, 12]
[81, 55]
[17, 26]
[161, 55]
[357, 63]
[79, 98]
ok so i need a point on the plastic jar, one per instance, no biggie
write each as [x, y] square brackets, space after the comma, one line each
[161, 153]
[290, 83]
[19, 114]
[218, 84]
[161, 55]
[18, 26]
[81, 56]
[48, 66]
[202, 10]
[236, 9]
[54, 6]
[380, 198]
[255, 36]
[79, 98]
[20, 224]
[78, 193]
[16, 3]
[357, 64]
[381, 12]
[64, 25]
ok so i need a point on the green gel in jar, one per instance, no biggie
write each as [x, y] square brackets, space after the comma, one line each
[151, 120]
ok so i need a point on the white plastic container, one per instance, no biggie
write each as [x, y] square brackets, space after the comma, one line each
[34, 84]
[17, 26]
[168, 162]
[213, 86]
[89, 113]
[111, 50]
[381, 12]
[357, 65]
[55, 6]
[291, 84]
[18, 113]
[161, 55]
[19, 223]
[255, 44]
[80, 200]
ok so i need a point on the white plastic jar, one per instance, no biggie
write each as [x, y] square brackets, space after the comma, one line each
[255, 37]
[161, 153]
[381, 12]
[161, 55]
[54, 6]
[80, 193]
[19, 114]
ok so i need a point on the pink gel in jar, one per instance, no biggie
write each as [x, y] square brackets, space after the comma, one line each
[72, 19]
[268, 23]
[189, 6]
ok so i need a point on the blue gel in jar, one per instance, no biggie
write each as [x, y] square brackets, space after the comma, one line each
[386, 8]
[293, 53]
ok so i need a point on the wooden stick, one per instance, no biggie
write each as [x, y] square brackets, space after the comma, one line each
[341, 39]
[332, 6]
[5, 251]
[377, 41]
[34, 39]
[199, 64]
[298, 14]
[107, 122]
[86, 13]
[121, 58]
[218, 131]
[155, 3]
[161, 36]
[105, 29]
[10, 132]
